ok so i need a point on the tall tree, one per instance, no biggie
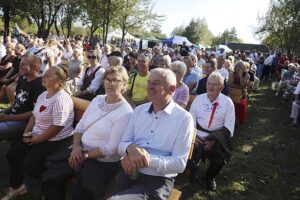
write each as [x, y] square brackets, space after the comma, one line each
[282, 21]
[43, 13]
[135, 14]
[179, 30]
[196, 31]
[226, 36]
[69, 14]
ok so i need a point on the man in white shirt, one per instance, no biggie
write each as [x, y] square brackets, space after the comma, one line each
[214, 116]
[104, 58]
[220, 66]
[156, 143]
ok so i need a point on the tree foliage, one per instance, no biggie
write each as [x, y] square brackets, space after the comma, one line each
[136, 14]
[280, 27]
[196, 31]
[227, 36]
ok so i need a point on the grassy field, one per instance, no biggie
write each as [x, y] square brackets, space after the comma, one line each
[265, 162]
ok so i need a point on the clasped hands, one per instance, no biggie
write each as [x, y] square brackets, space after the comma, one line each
[77, 156]
[208, 144]
[136, 158]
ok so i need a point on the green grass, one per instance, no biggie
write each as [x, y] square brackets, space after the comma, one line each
[265, 163]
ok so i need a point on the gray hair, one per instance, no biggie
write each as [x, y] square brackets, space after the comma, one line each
[167, 60]
[169, 76]
[180, 66]
[146, 58]
[218, 76]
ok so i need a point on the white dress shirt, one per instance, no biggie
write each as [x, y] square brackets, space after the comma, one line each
[106, 132]
[165, 135]
[96, 82]
[104, 61]
[201, 110]
[223, 72]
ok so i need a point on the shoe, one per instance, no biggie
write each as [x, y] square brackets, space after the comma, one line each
[211, 184]
[12, 193]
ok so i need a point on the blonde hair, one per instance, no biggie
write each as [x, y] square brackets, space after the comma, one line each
[61, 75]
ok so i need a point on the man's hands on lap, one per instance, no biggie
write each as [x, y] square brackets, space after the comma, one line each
[137, 158]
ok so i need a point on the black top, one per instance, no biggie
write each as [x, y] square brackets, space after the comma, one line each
[27, 93]
[184, 50]
[16, 66]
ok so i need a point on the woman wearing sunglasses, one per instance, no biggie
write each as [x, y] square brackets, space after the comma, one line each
[90, 82]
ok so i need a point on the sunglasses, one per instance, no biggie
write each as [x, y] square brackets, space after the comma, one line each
[91, 57]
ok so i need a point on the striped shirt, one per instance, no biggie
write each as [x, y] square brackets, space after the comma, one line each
[57, 110]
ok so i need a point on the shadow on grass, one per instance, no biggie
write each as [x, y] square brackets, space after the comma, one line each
[265, 162]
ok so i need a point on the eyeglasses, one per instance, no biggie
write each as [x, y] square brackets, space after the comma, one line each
[91, 57]
[112, 81]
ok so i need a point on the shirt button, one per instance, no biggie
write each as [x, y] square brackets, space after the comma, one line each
[151, 131]
[147, 142]
[155, 117]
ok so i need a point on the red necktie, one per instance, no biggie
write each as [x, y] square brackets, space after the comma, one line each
[212, 113]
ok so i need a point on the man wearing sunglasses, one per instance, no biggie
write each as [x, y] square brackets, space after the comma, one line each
[91, 80]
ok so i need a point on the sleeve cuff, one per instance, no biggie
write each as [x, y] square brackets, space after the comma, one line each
[123, 148]
[154, 161]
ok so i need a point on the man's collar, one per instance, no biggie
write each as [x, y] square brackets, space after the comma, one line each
[216, 100]
[168, 108]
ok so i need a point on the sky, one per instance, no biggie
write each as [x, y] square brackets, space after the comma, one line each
[219, 14]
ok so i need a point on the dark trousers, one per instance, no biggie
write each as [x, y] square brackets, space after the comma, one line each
[29, 160]
[216, 161]
[145, 187]
[93, 178]
[266, 72]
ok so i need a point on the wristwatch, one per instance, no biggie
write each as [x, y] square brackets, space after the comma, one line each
[86, 155]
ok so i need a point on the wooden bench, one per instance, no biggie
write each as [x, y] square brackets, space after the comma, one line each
[80, 105]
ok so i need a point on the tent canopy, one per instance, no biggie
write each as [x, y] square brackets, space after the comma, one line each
[177, 40]
[225, 47]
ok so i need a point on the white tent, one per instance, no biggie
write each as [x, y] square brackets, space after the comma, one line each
[225, 47]
[118, 34]
[177, 40]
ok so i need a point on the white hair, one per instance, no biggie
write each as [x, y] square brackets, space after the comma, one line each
[180, 66]
[169, 76]
[218, 76]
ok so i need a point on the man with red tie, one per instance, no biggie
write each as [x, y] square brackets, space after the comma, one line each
[214, 117]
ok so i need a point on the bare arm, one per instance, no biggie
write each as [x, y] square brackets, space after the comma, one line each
[17, 117]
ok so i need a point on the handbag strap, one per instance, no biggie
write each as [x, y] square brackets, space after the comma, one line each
[100, 118]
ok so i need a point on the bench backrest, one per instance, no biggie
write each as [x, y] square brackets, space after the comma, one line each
[80, 105]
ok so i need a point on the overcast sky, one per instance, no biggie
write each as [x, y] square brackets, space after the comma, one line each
[219, 14]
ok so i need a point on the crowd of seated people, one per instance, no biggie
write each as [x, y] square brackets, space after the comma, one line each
[136, 116]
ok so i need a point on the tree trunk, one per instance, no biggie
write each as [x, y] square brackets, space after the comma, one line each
[56, 27]
[6, 18]
[69, 26]
[107, 20]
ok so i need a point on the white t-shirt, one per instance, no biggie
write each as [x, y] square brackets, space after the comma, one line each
[224, 115]
[106, 132]
[57, 110]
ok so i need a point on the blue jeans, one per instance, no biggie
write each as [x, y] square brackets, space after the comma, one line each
[12, 129]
